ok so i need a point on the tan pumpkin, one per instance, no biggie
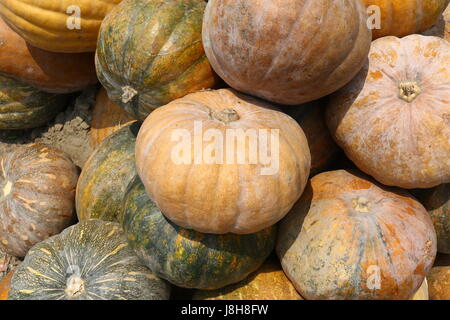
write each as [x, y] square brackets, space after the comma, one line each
[194, 160]
[439, 283]
[286, 51]
[349, 238]
[393, 119]
[422, 293]
[107, 118]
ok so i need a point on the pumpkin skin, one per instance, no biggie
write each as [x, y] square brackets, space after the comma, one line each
[37, 199]
[225, 195]
[268, 283]
[25, 107]
[187, 258]
[346, 231]
[5, 286]
[107, 118]
[252, 46]
[48, 71]
[392, 119]
[106, 175]
[439, 283]
[146, 65]
[45, 23]
[88, 261]
[404, 17]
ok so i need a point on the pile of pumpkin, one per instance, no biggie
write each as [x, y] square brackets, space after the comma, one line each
[342, 229]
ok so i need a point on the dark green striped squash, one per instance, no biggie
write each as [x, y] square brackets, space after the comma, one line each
[150, 53]
[25, 107]
[106, 175]
[88, 261]
[185, 257]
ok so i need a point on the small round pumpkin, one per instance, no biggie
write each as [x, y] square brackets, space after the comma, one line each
[268, 283]
[187, 258]
[195, 163]
[106, 175]
[439, 283]
[107, 118]
[25, 107]
[48, 71]
[285, 51]
[349, 238]
[37, 196]
[392, 120]
[88, 261]
[404, 17]
[150, 53]
[57, 25]
[5, 286]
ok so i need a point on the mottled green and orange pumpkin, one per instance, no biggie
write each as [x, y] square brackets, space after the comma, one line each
[88, 261]
[106, 175]
[150, 53]
[185, 257]
[37, 193]
[350, 238]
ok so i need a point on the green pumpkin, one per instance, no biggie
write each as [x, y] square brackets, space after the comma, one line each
[25, 107]
[88, 261]
[185, 257]
[150, 53]
[106, 175]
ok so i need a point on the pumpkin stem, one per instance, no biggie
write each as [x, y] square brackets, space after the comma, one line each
[225, 115]
[75, 286]
[7, 188]
[128, 93]
[361, 204]
[409, 91]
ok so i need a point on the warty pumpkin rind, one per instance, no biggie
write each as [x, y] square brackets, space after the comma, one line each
[150, 53]
[88, 261]
[346, 233]
[37, 199]
[185, 257]
[392, 119]
[44, 23]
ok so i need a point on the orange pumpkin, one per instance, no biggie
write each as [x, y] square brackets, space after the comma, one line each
[349, 238]
[392, 120]
[5, 286]
[193, 157]
[439, 283]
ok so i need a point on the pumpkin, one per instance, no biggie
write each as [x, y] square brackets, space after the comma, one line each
[150, 53]
[37, 196]
[105, 176]
[439, 283]
[403, 17]
[349, 238]
[48, 71]
[107, 118]
[392, 120]
[187, 258]
[422, 293]
[25, 107]
[311, 118]
[275, 49]
[194, 161]
[88, 261]
[57, 25]
[5, 286]
[268, 283]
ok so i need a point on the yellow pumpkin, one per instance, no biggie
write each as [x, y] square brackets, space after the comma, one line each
[422, 293]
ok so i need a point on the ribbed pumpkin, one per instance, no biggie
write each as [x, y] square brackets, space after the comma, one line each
[185, 257]
[57, 25]
[285, 51]
[5, 286]
[348, 238]
[106, 175]
[392, 120]
[439, 283]
[107, 118]
[88, 261]
[268, 283]
[404, 17]
[48, 71]
[25, 107]
[150, 53]
[37, 196]
[195, 163]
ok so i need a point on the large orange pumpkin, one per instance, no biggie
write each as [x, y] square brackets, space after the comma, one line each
[393, 119]
[349, 238]
[286, 51]
[194, 160]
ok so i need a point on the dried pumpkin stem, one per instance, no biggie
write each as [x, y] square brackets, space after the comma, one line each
[361, 204]
[128, 93]
[225, 115]
[409, 91]
[75, 287]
